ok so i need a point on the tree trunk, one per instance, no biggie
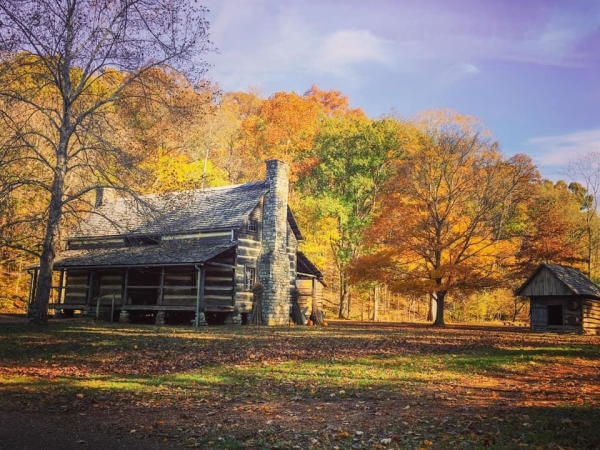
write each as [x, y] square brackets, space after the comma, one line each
[349, 303]
[432, 308]
[38, 310]
[376, 304]
[440, 296]
[343, 296]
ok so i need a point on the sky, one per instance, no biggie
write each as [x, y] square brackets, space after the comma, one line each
[529, 69]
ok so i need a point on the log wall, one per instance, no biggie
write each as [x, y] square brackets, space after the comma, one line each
[108, 285]
[591, 316]
[248, 251]
[292, 251]
[76, 287]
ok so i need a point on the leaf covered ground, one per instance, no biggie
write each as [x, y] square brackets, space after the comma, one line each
[81, 384]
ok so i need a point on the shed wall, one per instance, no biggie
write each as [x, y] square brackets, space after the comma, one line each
[544, 284]
[571, 313]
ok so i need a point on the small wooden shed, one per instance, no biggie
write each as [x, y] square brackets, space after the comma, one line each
[562, 299]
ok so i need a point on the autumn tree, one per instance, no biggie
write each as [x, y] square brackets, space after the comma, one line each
[447, 216]
[284, 125]
[555, 226]
[353, 156]
[173, 171]
[283, 128]
[333, 103]
[226, 142]
[65, 67]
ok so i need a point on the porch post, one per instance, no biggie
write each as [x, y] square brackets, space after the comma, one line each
[160, 314]
[314, 307]
[88, 300]
[125, 287]
[161, 289]
[124, 314]
[60, 285]
[199, 318]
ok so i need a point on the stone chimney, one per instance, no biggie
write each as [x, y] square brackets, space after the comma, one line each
[274, 266]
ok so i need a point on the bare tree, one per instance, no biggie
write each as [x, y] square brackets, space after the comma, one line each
[587, 169]
[66, 65]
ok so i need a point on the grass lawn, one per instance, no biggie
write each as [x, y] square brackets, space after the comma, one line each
[81, 384]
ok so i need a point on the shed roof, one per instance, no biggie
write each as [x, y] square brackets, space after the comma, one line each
[572, 279]
[175, 212]
[180, 251]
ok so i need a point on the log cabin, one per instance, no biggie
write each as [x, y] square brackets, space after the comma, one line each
[562, 299]
[194, 254]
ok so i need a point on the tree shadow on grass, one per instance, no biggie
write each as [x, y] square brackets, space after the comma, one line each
[114, 348]
[369, 373]
[259, 399]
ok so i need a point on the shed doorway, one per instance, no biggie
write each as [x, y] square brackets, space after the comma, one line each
[555, 315]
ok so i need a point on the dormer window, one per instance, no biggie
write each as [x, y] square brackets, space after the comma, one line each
[75, 244]
[141, 241]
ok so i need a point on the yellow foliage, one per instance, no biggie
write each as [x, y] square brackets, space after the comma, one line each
[176, 172]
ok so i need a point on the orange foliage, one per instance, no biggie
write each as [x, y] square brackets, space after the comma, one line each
[445, 222]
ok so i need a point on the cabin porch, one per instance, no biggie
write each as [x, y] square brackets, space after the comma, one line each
[181, 293]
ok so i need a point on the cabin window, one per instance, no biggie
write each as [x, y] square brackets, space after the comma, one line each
[74, 244]
[250, 278]
[140, 241]
[555, 315]
[252, 225]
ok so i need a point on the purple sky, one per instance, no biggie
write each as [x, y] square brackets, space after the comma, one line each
[529, 69]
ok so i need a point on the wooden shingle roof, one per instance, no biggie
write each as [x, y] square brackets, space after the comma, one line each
[180, 251]
[177, 212]
[574, 282]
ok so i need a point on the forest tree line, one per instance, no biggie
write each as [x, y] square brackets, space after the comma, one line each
[406, 217]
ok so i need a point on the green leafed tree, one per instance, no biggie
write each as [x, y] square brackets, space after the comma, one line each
[353, 155]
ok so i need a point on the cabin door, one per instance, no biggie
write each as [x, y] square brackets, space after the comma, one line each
[555, 315]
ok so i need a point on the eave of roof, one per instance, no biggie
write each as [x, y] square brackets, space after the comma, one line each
[309, 267]
[294, 225]
[185, 251]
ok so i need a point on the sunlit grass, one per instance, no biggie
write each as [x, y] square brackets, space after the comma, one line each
[80, 365]
[379, 372]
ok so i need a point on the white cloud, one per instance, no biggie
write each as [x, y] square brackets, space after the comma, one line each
[259, 45]
[562, 149]
[457, 72]
[338, 51]
[275, 44]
